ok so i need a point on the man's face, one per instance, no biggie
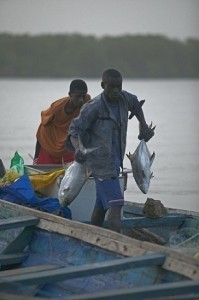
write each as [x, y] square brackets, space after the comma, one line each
[112, 88]
[78, 98]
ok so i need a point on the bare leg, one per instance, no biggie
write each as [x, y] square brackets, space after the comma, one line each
[98, 216]
[114, 218]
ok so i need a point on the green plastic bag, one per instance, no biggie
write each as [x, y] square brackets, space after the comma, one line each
[17, 164]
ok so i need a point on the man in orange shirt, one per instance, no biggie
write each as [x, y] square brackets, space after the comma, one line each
[55, 121]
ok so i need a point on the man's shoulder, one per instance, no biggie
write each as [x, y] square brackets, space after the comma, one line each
[127, 94]
[96, 100]
[61, 100]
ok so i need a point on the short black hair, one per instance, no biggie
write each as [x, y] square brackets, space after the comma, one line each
[111, 73]
[78, 85]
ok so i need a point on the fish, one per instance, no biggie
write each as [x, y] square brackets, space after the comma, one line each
[141, 161]
[74, 178]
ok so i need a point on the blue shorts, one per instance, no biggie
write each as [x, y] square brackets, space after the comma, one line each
[108, 193]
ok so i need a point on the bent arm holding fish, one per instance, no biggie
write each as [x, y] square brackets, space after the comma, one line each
[79, 157]
[145, 132]
[78, 129]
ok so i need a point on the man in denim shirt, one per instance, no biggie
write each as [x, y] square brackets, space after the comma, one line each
[102, 124]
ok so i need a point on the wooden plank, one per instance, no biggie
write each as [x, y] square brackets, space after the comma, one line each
[98, 236]
[156, 291]
[31, 290]
[186, 292]
[12, 259]
[27, 270]
[6, 296]
[171, 264]
[149, 222]
[146, 235]
[133, 209]
[86, 270]
[18, 222]
[142, 222]
[136, 208]
[21, 241]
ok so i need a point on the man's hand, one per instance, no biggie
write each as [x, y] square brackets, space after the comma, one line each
[80, 157]
[146, 132]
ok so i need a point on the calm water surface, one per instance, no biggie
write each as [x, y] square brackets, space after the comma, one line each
[172, 105]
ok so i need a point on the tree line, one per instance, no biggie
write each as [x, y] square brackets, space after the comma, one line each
[75, 55]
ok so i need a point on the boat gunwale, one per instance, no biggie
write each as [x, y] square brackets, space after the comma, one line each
[109, 240]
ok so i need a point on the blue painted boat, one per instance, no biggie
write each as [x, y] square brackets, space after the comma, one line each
[43, 255]
[174, 228]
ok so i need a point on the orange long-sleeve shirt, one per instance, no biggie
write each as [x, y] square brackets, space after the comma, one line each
[53, 130]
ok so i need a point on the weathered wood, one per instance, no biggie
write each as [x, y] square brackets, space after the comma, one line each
[6, 296]
[49, 243]
[20, 242]
[145, 292]
[146, 235]
[27, 270]
[105, 239]
[172, 264]
[151, 222]
[85, 270]
[32, 289]
[16, 222]
[137, 209]
[12, 259]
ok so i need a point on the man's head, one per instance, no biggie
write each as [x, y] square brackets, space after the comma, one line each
[77, 92]
[112, 84]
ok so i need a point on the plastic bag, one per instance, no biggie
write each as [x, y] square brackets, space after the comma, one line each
[41, 180]
[22, 192]
[17, 164]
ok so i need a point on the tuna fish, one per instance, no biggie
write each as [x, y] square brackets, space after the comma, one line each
[141, 161]
[75, 177]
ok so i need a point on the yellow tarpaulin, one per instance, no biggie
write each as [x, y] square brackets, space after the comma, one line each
[41, 180]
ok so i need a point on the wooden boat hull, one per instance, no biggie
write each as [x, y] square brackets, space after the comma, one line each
[178, 229]
[81, 261]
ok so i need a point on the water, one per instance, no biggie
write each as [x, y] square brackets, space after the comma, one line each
[172, 105]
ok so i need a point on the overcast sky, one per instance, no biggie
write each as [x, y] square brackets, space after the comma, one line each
[173, 18]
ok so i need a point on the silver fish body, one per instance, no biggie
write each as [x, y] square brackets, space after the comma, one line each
[75, 177]
[141, 161]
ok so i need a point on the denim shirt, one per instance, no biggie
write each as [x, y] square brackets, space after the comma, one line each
[97, 127]
[116, 145]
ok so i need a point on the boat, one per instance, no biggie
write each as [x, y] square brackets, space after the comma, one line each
[150, 221]
[46, 256]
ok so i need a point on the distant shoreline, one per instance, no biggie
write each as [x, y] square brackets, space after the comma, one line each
[69, 56]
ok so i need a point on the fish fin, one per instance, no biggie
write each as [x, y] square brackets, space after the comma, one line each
[151, 176]
[129, 155]
[143, 174]
[150, 126]
[88, 172]
[64, 164]
[152, 157]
